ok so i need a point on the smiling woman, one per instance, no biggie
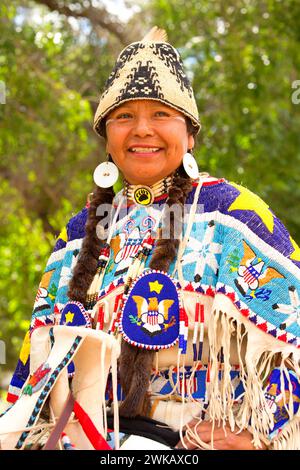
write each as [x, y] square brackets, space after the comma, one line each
[147, 140]
[177, 317]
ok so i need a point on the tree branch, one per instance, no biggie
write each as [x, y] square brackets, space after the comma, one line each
[97, 16]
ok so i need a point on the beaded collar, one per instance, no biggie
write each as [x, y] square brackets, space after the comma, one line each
[145, 195]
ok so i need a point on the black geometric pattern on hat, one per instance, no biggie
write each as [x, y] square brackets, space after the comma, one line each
[45, 392]
[172, 60]
[141, 82]
[124, 57]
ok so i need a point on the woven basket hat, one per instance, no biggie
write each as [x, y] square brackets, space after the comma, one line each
[148, 69]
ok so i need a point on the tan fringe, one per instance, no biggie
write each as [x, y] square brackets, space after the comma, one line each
[221, 392]
[258, 363]
[258, 354]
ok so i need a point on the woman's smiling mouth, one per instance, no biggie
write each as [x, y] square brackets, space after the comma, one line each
[144, 151]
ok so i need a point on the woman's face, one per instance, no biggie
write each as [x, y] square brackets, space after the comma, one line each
[147, 140]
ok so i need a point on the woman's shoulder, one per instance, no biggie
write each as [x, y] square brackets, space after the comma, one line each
[76, 225]
[215, 192]
[226, 196]
[239, 208]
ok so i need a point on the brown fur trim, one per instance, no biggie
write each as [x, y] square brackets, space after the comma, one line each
[86, 266]
[136, 401]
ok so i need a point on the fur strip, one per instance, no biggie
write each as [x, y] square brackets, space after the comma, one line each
[137, 401]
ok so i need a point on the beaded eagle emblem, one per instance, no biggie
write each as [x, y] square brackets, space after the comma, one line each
[151, 311]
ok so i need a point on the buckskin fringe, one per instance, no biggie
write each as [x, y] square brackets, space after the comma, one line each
[258, 354]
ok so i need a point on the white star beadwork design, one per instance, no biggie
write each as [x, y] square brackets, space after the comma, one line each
[203, 252]
[292, 310]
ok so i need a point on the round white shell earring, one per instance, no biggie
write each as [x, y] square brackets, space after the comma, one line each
[190, 165]
[106, 174]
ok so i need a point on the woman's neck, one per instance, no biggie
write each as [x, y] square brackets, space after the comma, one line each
[145, 194]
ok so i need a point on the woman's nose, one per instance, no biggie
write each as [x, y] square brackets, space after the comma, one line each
[142, 127]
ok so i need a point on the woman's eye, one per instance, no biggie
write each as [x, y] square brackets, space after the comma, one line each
[162, 113]
[124, 116]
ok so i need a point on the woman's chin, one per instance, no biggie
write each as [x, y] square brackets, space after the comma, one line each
[142, 178]
[143, 175]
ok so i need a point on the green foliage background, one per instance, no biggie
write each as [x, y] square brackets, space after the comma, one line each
[242, 56]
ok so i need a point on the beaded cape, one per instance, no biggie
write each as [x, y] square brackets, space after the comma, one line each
[243, 261]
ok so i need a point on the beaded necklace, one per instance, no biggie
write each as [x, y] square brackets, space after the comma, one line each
[145, 195]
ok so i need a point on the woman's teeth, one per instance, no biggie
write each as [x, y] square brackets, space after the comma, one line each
[144, 150]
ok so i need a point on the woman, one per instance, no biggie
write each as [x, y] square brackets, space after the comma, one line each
[196, 277]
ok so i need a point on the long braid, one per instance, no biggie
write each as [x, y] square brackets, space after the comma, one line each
[86, 266]
[135, 363]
